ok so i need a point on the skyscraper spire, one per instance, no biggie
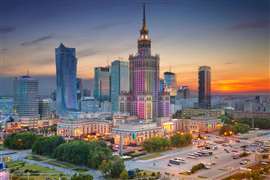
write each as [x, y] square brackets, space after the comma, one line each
[144, 30]
[144, 19]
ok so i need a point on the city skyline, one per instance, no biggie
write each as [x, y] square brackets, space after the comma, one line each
[186, 34]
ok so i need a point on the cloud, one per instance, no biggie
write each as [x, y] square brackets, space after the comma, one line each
[3, 50]
[6, 29]
[35, 41]
[108, 26]
[251, 25]
[87, 52]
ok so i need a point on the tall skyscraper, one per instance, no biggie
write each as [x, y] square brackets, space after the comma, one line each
[119, 82]
[66, 82]
[26, 97]
[170, 83]
[79, 91]
[102, 83]
[144, 77]
[205, 87]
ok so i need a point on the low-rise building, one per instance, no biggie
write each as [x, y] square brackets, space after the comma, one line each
[196, 124]
[82, 124]
[136, 132]
[192, 112]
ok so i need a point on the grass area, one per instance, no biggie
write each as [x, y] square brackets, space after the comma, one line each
[62, 164]
[21, 170]
[37, 158]
[2, 147]
[56, 163]
[150, 156]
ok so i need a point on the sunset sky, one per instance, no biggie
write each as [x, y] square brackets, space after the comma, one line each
[230, 36]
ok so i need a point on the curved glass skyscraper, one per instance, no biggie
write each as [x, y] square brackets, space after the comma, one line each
[66, 70]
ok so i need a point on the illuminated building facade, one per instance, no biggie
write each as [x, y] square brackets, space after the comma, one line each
[144, 78]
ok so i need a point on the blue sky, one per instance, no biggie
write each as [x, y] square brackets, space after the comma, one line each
[230, 36]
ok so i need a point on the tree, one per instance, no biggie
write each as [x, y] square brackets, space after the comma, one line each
[105, 167]
[90, 154]
[262, 123]
[225, 119]
[124, 175]
[117, 167]
[47, 145]
[156, 144]
[226, 130]
[180, 140]
[240, 128]
[197, 167]
[23, 140]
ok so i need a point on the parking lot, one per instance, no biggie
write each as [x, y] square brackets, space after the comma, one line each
[219, 162]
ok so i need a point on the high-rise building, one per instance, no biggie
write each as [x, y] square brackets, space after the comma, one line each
[119, 82]
[144, 77]
[79, 91]
[66, 82]
[26, 97]
[161, 85]
[6, 105]
[170, 83]
[183, 92]
[205, 87]
[89, 105]
[45, 108]
[102, 83]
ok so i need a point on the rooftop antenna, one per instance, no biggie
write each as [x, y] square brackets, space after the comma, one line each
[27, 72]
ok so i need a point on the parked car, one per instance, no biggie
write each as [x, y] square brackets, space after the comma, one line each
[226, 150]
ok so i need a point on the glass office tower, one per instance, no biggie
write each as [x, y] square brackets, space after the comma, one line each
[66, 70]
[119, 82]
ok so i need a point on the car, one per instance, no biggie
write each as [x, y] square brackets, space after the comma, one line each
[174, 161]
[207, 167]
[234, 150]
[169, 164]
[264, 163]
[198, 154]
[192, 157]
[180, 159]
[243, 162]
[226, 150]
[236, 156]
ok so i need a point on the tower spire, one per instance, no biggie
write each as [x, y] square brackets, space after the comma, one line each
[144, 27]
[144, 19]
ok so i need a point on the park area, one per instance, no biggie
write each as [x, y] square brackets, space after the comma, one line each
[20, 170]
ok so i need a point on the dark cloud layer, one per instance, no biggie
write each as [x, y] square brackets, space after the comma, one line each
[87, 52]
[6, 29]
[35, 41]
[251, 25]
[108, 26]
